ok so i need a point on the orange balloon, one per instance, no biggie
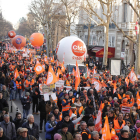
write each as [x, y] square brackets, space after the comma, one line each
[37, 39]
[11, 34]
[19, 41]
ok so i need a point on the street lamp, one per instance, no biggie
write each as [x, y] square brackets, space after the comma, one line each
[127, 48]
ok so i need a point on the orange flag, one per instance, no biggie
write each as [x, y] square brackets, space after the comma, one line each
[103, 84]
[39, 68]
[106, 131]
[97, 84]
[114, 90]
[46, 60]
[77, 77]
[98, 122]
[58, 73]
[37, 61]
[16, 74]
[127, 81]
[62, 68]
[132, 76]
[74, 72]
[51, 77]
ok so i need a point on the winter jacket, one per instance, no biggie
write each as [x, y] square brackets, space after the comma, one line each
[9, 129]
[18, 123]
[42, 106]
[29, 137]
[49, 130]
[70, 126]
[13, 85]
[5, 94]
[26, 103]
[4, 137]
[88, 111]
[67, 136]
[34, 131]
[3, 103]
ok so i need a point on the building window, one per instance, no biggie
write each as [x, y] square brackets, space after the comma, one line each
[86, 39]
[111, 42]
[94, 40]
[125, 12]
[123, 46]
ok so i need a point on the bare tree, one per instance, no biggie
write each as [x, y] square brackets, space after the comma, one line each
[43, 11]
[107, 7]
[71, 9]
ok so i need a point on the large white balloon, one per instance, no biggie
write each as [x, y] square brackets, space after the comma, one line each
[72, 48]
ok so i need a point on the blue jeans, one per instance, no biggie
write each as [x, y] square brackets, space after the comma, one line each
[19, 91]
[1, 87]
[12, 94]
[25, 113]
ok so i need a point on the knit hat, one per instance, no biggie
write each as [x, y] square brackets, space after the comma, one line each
[115, 98]
[125, 100]
[135, 104]
[27, 93]
[126, 128]
[5, 109]
[57, 136]
[73, 106]
[64, 125]
[73, 115]
[65, 115]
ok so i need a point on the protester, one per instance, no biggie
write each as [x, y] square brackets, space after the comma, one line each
[2, 135]
[32, 127]
[8, 127]
[24, 135]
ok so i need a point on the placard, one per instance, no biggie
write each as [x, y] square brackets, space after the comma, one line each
[115, 67]
[125, 109]
[46, 88]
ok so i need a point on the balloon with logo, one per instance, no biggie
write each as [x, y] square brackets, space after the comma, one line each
[11, 34]
[19, 41]
[37, 39]
[71, 49]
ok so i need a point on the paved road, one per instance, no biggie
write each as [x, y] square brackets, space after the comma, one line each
[17, 105]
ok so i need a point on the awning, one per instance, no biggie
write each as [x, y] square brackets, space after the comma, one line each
[100, 51]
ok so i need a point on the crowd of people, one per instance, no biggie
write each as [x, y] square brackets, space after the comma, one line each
[74, 114]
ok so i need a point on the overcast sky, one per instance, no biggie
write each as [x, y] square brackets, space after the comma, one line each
[13, 10]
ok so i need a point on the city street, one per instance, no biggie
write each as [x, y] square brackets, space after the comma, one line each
[17, 105]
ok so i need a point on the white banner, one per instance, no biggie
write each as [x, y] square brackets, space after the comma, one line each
[125, 109]
[115, 67]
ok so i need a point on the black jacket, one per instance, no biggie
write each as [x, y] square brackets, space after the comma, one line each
[26, 103]
[18, 123]
[3, 103]
[42, 106]
[70, 126]
[4, 137]
[88, 111]
[34, 131]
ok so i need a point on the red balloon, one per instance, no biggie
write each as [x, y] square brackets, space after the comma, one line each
[11, 34]
[37, 39]
[19, 41]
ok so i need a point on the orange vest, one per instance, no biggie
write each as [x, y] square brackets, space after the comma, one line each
[138, 100]
[55, 101]
[117, 126]
[67, 83]
[73, 100]
[120, 97]
[80, 110]
[67, 107]
[103, 105]
[113, 132]
[18, 84]
[27, 83]
[32, 82]
[60, 117]
[70, 113]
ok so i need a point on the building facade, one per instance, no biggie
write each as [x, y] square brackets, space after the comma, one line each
[124, 17]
